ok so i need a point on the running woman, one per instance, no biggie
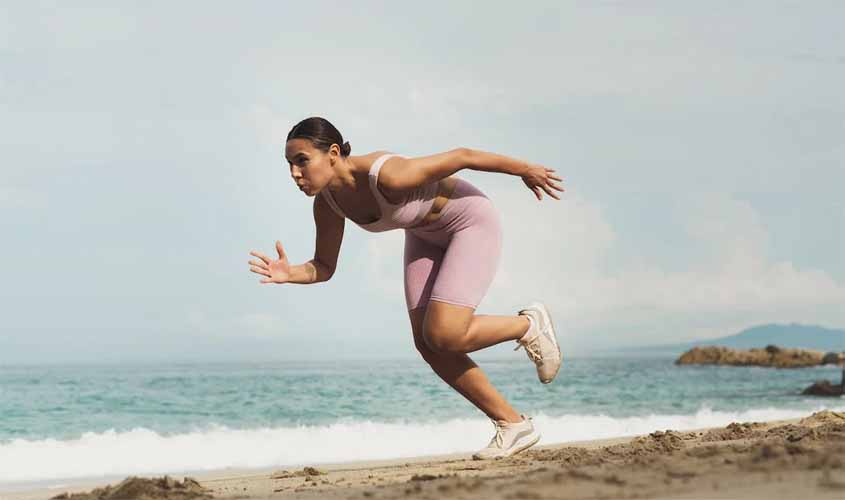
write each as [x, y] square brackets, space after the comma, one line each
[453, 242]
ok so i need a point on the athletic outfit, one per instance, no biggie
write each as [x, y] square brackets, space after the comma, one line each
[452, 259]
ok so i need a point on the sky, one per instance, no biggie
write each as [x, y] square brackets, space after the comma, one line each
[141, 159]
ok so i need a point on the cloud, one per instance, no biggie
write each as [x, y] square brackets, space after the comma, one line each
[11, 197]
[560, 252]
[165, 151]
[248, 325]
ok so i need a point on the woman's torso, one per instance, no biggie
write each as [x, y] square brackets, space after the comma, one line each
[376, 209]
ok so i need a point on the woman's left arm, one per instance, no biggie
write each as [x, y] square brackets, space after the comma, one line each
[407, 173]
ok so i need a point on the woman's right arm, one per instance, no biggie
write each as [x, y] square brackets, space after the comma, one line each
[329, 237]
[321, 267]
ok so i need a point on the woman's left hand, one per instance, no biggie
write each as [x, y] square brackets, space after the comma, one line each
[539, 177]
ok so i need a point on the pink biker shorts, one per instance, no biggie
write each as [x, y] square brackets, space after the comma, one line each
[454, 258]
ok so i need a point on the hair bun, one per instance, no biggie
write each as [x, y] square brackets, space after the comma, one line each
[345, 149]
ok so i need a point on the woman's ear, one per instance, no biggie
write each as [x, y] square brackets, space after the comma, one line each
[334, 153]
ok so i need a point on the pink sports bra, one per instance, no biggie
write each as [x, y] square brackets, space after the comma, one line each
[414, 206]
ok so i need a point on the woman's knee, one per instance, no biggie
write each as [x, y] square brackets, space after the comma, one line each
[425, 351]
[445, 326]
[417, 317]
[444, 339]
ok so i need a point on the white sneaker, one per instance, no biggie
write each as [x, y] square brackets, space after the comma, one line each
[510, 438]
[540, 342]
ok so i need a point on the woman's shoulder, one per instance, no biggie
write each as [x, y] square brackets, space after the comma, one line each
[364, 162]
[376, 154]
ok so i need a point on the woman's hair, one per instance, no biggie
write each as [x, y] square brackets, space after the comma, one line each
[321, 133]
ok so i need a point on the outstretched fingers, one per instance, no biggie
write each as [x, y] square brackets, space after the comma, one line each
[260, 270]
[259, 267]
[550, 192]
[550, 175]
[260, 256]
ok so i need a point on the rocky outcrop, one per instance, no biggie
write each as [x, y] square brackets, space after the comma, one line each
[772, 356]
[834, 358]
[824, 388]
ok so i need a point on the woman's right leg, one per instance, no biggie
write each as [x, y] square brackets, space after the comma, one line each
[462, 374]
[422, 263]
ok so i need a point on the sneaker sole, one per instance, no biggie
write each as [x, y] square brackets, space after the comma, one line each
[548, 319]
[529, 441]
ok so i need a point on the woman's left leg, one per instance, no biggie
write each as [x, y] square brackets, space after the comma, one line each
[455, 328]
[467, 268]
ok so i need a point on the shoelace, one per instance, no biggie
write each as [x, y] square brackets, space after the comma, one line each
[500, 429]
[532, 347]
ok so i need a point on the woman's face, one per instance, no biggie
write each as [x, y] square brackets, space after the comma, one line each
[310, 168]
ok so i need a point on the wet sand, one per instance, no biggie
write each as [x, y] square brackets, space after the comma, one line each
[787, 459]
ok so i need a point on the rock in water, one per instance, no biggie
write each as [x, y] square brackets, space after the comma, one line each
[834, 358]
[823, 388]
[772, 356]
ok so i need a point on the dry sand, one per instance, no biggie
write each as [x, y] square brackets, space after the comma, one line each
[796, 459]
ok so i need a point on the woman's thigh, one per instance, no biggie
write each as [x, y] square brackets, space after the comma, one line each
[447, 274]
[466, 272]
[470, 261]
[422, 263]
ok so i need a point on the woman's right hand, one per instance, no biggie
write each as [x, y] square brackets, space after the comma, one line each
[539, 177]
[276, 271]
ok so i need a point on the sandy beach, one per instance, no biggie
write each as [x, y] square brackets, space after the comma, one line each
[802, 458]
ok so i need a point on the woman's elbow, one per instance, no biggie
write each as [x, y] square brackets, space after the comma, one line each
[323, 271]
[465, 157]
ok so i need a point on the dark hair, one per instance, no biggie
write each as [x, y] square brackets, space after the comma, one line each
[321, 133]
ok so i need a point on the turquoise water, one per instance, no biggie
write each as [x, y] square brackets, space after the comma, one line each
[97, 410]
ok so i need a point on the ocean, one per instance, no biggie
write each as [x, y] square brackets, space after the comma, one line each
[64, 423]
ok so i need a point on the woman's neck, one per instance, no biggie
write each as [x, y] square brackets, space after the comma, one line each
[347, 175]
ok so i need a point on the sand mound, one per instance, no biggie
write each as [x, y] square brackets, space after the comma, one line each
[163, 488]
[733, 431]
[824, 417]
[656, 442]
[305, 472]
[669, 463]
[570, 455]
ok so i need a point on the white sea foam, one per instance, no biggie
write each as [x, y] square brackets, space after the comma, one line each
[142, 451]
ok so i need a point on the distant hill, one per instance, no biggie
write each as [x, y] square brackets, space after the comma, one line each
[791, 335]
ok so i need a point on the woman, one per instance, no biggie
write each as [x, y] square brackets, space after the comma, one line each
[452, 247]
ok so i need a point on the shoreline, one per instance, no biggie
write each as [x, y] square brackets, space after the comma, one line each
[23, 489]
[578, 462]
